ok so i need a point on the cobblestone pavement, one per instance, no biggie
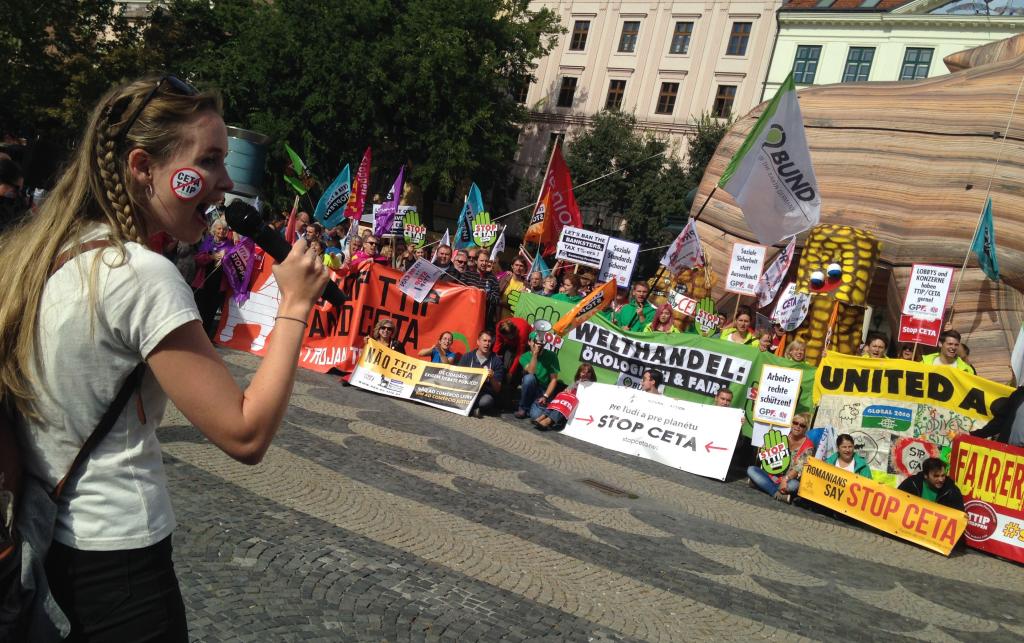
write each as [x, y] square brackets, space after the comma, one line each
[379, 519]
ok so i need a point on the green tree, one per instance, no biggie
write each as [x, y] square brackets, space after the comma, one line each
[701, 145]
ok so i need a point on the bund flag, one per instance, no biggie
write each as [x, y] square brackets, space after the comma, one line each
[771, 177]
[556, 206]
[984, 244]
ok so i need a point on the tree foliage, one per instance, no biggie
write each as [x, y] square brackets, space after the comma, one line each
[427, 83]
[701, 146]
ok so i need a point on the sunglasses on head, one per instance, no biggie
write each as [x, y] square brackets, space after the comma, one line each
[174, 85]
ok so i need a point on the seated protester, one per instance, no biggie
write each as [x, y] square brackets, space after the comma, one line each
[443, 257]
[783, 487]
[540, 376]
[535, 283]
[638, 312]
[845, 458]
[796, 350]
[482, 357]
[948, 355]
[1007, 423]
[723, 397]
[569, 290]
[932, 483]
[876, 346]
[385, 332]
[663, 321]
[651, 381]
[441, 352]
[739, 330]
[550, 287]
[547, 418]
[906, 351]
[763, 340]
[511, 341]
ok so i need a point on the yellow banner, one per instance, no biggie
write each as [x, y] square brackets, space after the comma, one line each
[388, 372]
[898, 379]
[890, 510]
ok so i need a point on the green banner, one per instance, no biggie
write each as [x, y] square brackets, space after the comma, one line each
[695, 367]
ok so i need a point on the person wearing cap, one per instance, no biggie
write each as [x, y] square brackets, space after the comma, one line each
[540, 373]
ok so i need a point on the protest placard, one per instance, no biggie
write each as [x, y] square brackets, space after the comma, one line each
[777, 395]
[419, 279]
[890, 510]
[927, 291]
[698, 438]
[619, 261]
[581, 246]
[921, 331]
[791, 308]
[990, 475]
[388, 372]
[744, 268]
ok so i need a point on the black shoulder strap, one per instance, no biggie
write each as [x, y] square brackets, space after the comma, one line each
[131, 383]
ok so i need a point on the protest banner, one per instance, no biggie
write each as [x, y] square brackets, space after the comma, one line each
[921, 331]
[695, 367]
[744, 268]
[895, 512]
[581, 246]
[899, 412]
[619, 261]
[697, 438]
[334, 336]
[388, 372]
[990, 475]
[927, 291]
[419, 279]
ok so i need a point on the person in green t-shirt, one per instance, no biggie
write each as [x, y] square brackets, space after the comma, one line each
[540, 375]
[569, 290]
[638, 312]
[933, 483]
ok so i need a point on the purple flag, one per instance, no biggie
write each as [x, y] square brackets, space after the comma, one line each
[387, 210]
[238, 263]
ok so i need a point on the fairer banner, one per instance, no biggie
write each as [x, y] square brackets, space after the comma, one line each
[388, 372]
[697, 438]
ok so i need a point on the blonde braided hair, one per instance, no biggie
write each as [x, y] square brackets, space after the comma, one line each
[118, 198]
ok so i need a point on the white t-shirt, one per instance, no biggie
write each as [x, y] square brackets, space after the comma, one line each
[851, 466]
[119, 498]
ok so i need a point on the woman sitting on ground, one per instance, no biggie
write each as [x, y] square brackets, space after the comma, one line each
[662, 322]
[441, 352]
[845, 457]
[385, 331]
[739, 330]
[549, 419]
[783, 486]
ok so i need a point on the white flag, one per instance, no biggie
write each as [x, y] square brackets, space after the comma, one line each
[445, 241]
[772, 278]
[1017, 357]
[771, 177]
[685, 251]
[499, 245]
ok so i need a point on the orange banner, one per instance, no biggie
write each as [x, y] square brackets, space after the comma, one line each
[890, 510]
[334, 336]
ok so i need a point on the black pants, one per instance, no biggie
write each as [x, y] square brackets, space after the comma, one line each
[118, 596]
[209, 299]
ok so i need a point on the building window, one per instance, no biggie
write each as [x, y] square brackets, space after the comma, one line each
[630, 32]
[824, 4]
[858, 64]
[681, 38]
[616, 90]
[667, 98]
[738, 39]
[806, 64]
[869, 4]
[916, 62]
[580, 30]
[567, 91]
[521, 91]
[723, 101]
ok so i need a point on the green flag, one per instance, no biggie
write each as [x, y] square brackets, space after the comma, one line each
[298, 181]
[984, 244]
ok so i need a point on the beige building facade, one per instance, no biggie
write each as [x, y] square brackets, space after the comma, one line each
[665, 62]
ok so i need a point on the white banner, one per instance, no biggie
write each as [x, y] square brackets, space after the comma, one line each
[777, 395]
[619, 261]
[697, 438]
[584, 247]
[419, 279]
[927, 291]
[744, 268]
[792, 307]
[685, 251]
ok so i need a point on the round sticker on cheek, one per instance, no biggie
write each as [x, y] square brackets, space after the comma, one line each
[186, 183]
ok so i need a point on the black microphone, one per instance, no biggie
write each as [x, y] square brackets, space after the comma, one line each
[245, 219]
